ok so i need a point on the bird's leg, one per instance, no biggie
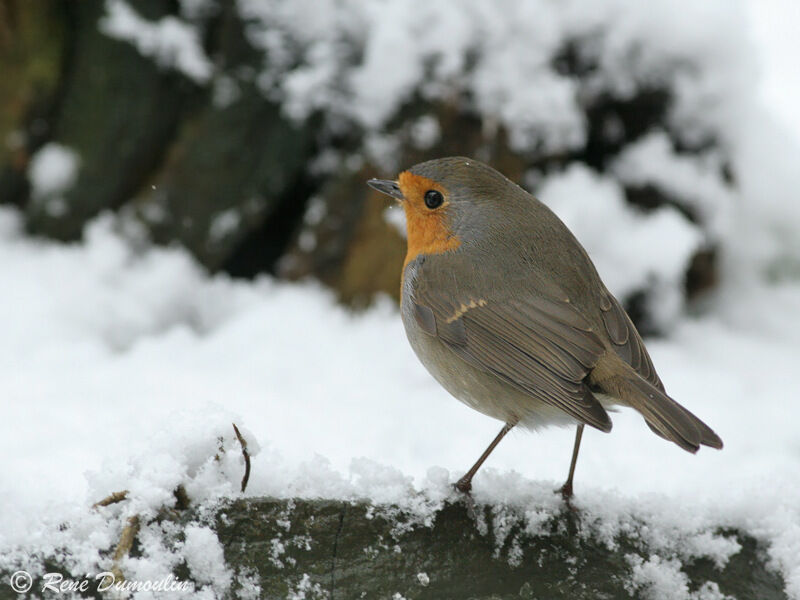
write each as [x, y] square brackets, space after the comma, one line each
[465, 483]
[566, 489]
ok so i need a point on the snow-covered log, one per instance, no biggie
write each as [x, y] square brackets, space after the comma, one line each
[327, 549]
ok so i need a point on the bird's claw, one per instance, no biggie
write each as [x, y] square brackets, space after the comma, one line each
[463, 486]
[566, 492]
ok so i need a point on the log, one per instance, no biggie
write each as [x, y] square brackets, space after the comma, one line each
[357, 550]
[329, 549]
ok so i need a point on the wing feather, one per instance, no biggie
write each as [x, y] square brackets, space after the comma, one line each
[627, 342]
[541, 347]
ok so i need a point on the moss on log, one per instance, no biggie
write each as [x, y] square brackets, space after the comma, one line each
[344, 550]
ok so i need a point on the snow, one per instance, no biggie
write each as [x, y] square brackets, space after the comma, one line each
[124, 366]
[660, 579]
[224, 224]
[53, 169]
[315, 211]
[653, 161]
[343, 58]
[172, 42]
[204, 557]
[774, 25]
[425, 132]
[134, 365]
[396, 218]
[305, 590]
[51, 172]
[226, 92]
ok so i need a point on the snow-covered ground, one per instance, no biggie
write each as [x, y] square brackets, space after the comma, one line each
[120, 371]
[121, 367]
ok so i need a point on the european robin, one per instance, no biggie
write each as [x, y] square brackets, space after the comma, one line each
[505, 309]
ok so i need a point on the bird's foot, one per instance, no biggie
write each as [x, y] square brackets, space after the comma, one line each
[463, 485]
[567, 494]
[566, 491]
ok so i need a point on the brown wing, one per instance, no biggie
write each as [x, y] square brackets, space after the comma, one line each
[627, 342]
[628, 345]
[542, 347]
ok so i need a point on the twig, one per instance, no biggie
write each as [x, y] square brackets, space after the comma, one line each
[181, 498]
[246, 455]
[124, 546]
[112, 499]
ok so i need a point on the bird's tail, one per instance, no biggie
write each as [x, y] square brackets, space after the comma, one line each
[663, 415]
[669, 419]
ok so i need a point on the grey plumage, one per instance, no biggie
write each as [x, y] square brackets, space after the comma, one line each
[516, 322]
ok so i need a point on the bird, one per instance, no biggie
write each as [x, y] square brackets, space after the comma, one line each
[505, 309]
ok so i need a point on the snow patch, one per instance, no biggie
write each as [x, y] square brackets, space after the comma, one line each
[396, 217]
[659, 579]
[341, 58]
[696, 180]
[305, 590]
[224, 224]
[196, 353]
[171, 42]
[425, 132]
[205, 558]
[52, 172]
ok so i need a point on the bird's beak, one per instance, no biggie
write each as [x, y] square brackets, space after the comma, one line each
[390, 188]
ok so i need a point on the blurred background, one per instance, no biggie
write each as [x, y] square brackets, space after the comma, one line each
[244, 130]
[187, 240]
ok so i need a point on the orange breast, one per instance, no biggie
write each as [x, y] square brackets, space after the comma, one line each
[428, 230]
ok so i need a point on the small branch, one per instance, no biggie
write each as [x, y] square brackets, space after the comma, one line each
[112, 499]
[124, 546]
[246, 455]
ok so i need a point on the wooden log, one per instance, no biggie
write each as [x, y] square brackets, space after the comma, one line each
[355, 550]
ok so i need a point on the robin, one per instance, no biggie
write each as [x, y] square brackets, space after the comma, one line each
[506, 310]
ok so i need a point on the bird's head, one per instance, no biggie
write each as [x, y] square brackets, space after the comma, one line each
[448, 202]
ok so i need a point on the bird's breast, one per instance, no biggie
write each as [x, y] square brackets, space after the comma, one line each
[474, 387]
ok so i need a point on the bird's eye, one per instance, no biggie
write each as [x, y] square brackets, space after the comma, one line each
[433, 199]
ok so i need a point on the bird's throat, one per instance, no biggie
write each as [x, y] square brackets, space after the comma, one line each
[428, 230]
[428, 234]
